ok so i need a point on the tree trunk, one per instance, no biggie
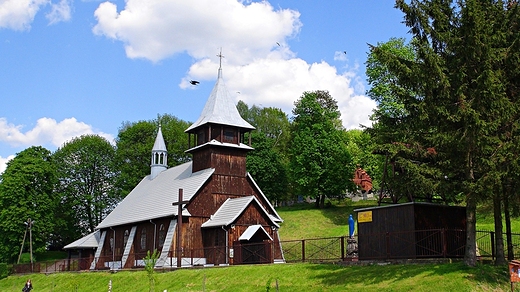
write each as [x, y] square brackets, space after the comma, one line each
[499, 238]
[317, 201]
[509, 239]
[470, 254]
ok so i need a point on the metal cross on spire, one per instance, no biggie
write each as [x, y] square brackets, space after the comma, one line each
[220, 56]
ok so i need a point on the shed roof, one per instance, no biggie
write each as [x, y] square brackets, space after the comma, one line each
[231, 210]
[152, 199]
[220, 109]
[88, 241]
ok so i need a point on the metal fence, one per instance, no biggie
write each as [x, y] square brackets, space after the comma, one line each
[332, 249]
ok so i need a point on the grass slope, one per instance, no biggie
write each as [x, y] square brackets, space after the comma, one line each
[303, 221]
[300, 221]
[290, 277]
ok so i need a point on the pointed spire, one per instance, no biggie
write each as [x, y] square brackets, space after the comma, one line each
[159, 155]
[220, 107]
[159, 141]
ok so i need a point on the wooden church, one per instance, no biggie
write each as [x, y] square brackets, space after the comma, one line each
[208, 211]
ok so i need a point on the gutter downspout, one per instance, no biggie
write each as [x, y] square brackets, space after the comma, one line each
[113, 246]
[227, 245]
[154, 233]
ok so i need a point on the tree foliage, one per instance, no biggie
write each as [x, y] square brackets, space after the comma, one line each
[457, 93]
[134, 147]
[318, 157]
[360, 146]
[27, 191]
[87, 175]
[268, 162]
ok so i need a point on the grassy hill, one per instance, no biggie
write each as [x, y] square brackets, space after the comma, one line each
[290, 277]
[300, 221]
[304, 221]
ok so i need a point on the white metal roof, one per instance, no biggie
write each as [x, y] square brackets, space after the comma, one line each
[272, 211]
[88, 241]
[152, 199]
[231, 210]
[251, 230]
[224, 144]
[220, 109]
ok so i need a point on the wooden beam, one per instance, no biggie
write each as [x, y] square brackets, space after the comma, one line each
[179, 226]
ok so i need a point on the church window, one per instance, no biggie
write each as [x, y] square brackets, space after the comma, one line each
[229, 135]
[111, 243]
[125, 238]
[162, 235]
[201, 137]
[143, 239]
[156, 158]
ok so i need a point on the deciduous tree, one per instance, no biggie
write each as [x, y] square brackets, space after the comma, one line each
[87, 175]
[27, 191]
[318, 157]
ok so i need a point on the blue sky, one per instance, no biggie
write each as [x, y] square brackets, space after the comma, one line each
[71, 67]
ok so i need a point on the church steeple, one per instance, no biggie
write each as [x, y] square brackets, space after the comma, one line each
[219, 132]
[159, 155]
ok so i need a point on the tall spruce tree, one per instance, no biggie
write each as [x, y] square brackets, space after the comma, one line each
[461, 103]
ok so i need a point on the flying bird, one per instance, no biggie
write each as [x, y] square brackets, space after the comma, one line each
[278, 43]
[345, 52]
[194, 82]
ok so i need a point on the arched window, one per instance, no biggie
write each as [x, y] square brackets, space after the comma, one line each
[125, 238]
[111, 243]
[143, 239]
[162, 236]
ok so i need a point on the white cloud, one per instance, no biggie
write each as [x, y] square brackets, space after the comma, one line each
[59, 12]
[19, 14]
[255, 38]
[3, 162]
[46, 132]
[279, 83]
[156, 29]
[340, 56]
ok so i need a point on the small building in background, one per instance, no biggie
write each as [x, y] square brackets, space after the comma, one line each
[410, 231]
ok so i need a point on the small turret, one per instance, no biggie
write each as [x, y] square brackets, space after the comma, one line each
[159, 155]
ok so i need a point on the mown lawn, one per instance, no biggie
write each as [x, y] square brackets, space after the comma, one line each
[303, 221]
[300, 222]
[290, 277]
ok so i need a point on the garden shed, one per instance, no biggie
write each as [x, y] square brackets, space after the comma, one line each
[411, 230]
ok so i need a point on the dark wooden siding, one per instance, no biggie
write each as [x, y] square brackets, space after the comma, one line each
[229, 161]
[395, 231]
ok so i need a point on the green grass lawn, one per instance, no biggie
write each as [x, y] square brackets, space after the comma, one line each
[303, 221]
[290, 277]
[300, 222]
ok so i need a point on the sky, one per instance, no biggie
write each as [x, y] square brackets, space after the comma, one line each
[75, 67]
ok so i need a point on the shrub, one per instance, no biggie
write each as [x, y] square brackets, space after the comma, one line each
[4, 270]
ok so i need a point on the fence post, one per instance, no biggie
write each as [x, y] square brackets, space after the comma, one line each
[444, 245]
[343, 248]
[387, 245]
[303, 250]
[492, 234]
